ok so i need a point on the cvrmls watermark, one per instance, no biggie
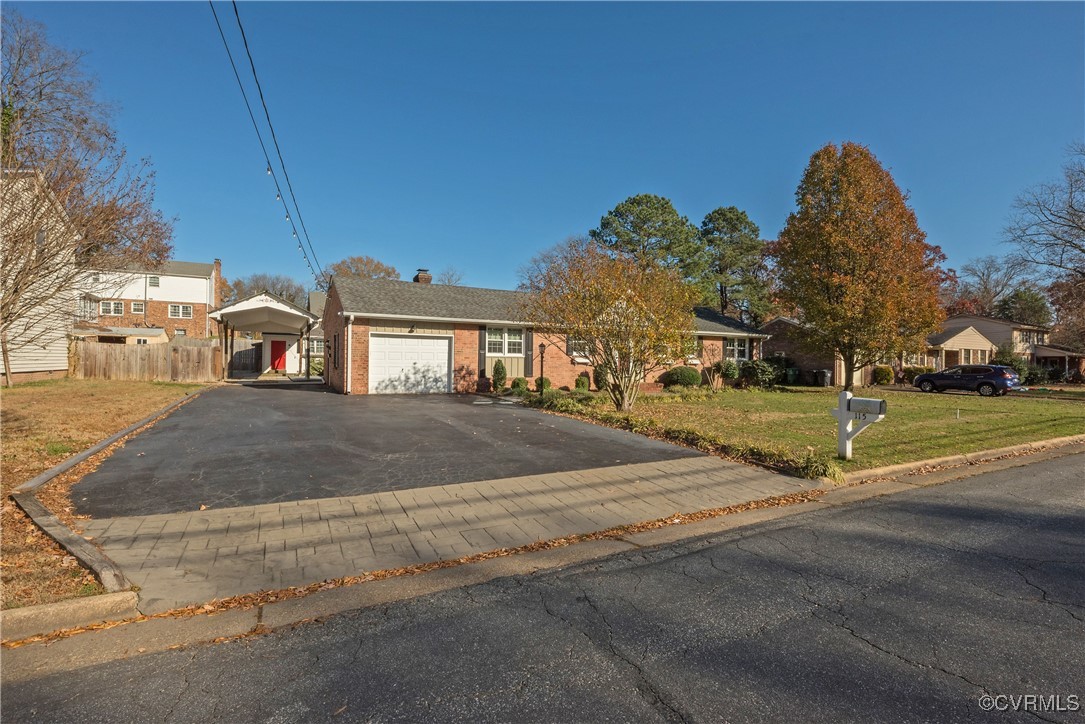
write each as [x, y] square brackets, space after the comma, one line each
[1030, 702]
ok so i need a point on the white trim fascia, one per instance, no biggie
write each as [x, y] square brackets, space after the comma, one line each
[349, 371]
[445, 320]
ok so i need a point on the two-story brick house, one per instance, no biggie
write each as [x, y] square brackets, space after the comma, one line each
[144, 306]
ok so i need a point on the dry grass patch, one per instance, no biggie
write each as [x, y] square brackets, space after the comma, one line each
[43, 423]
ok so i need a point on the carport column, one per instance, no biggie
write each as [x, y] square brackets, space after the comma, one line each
[230, 353]
[303, 339]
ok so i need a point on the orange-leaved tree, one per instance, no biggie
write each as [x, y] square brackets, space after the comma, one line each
[854, 262]
[627, 318]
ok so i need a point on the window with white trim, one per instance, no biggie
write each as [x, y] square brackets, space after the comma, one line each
[737, 348]
[137, 307]
[152, 281]
[578, 349]
[178, 332]
[112, 309]
[141, 340]
[505, 341]
[180, 311]
[316, 346]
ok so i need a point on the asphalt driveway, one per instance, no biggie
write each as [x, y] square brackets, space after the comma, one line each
[237, 446]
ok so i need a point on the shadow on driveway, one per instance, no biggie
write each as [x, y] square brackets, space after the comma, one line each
[241, 445]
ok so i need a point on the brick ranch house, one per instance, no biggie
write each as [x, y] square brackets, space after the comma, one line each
[384, 337]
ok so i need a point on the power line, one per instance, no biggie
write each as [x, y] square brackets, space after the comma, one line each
[267, 158]
[271, 126]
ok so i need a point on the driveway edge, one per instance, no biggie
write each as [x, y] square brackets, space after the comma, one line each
[74, 460]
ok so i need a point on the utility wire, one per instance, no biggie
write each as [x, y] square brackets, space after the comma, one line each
[274, 138]
[267, 158]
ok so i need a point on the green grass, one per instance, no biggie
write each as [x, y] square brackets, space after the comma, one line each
[917, 426]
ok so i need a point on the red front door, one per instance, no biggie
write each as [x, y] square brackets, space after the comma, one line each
[278, 354]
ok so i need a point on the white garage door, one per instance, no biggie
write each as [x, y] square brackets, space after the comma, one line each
[409, 364]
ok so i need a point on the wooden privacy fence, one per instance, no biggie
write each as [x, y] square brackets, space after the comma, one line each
[184, 362]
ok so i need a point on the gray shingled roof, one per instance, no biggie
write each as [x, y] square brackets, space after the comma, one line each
[441, 301]
[434, 301]
[709, 321]
[179, 269]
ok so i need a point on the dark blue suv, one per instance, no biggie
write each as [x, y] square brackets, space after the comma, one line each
[988, 380]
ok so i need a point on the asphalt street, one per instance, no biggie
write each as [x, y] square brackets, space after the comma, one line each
[909, 607]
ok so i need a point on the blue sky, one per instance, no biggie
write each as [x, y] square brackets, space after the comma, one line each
[475, 135]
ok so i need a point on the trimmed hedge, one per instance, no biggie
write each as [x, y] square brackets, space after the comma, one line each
[681, 376]
[883, 375]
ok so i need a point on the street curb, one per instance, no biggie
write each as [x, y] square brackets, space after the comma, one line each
[21, 623]
[957, 460]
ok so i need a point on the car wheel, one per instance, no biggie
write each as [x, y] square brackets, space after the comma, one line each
[987, 390]
[926, 386]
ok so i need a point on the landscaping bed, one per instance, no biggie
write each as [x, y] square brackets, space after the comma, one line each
[43, 424]
[792, 430]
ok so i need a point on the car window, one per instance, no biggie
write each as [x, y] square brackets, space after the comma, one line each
[952, 371]
[982, 370]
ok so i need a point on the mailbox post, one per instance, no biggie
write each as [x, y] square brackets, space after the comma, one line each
[853, 414]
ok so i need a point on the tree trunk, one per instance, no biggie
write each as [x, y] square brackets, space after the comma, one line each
[7, 358]
[849, 370]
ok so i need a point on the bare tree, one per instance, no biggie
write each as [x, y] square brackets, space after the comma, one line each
[984, 281]
[450, 276]
[280, 285]
[71, 201]
[1048, 225]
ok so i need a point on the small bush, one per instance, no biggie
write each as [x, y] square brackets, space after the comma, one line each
[542, 384]
[681, 377]
[499, 375]
[910, 373]
[757, 373]
[601, 377]
[582, 382]
[520, 383]
[883, 375]
[780, 364]
[1035, 376]
[556, 401]
[316, 365]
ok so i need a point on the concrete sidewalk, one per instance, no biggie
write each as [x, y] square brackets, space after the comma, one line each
[184, 558]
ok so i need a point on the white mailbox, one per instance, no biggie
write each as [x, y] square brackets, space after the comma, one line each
[853, 414]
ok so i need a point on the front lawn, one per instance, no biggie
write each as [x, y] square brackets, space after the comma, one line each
[917, 426]
[43, 423]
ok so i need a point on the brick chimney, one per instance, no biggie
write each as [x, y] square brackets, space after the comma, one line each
[423, 277]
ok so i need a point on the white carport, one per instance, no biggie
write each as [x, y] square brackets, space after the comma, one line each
[283, 326]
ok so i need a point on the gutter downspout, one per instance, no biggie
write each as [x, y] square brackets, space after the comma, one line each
[347, 372]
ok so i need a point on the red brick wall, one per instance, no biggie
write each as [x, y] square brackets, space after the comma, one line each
[465, 373]
[359, 356]
[156, 314]
[333, 325]
[783, 340]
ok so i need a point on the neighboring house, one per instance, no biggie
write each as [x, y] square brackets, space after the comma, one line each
[175, 297]
[386, 336]
[1025, 337]
[957, 344]
[37, 338]
[783, 342]
[120, 335]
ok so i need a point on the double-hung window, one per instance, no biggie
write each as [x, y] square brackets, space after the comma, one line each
[112, 309]
[137, 307]
[316, 346]
[180, 311]
[152, 281]
[738, 348]
[505, 341]
[578, 349]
